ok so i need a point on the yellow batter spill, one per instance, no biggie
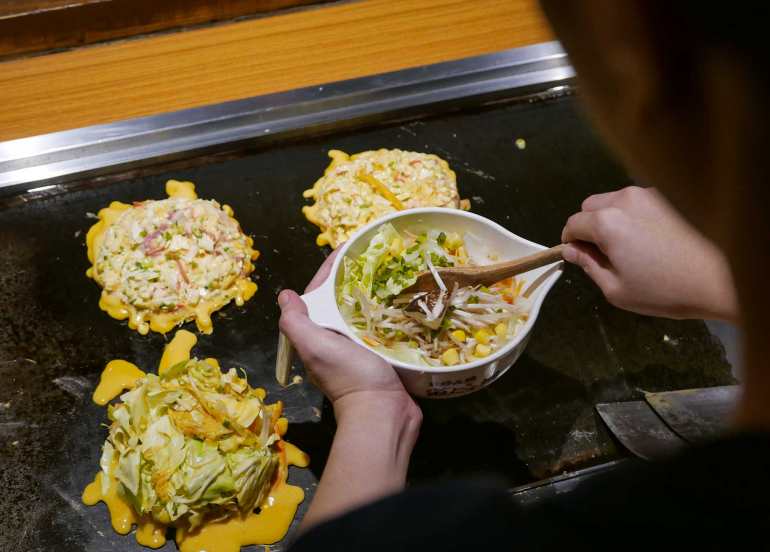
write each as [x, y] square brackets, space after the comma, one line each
[177, 350]
[267, 526]
[122, 515]
[118, 376]
[148, 533]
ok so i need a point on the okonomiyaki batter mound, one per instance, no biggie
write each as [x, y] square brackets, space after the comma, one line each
[161, 263]
[357, 189]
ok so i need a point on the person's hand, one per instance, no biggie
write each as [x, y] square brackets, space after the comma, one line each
[646, 258]
[347, 373]
[377, 421]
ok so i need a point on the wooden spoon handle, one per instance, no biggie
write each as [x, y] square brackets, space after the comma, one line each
[490, 274]
[283, 359]
[486, 275]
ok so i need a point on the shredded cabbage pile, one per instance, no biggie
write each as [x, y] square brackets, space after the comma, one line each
[478, 320]
[191, 444]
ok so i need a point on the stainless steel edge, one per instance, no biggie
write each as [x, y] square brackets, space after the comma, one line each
[49, 158]
[538, 491]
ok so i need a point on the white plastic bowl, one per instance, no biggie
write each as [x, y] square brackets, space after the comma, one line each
[482, 236]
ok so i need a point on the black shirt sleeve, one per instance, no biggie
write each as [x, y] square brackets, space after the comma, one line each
[715, 497]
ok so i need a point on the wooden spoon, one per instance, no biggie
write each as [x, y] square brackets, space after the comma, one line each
[487, 274]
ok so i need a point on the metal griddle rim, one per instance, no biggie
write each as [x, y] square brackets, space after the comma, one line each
[31, 164]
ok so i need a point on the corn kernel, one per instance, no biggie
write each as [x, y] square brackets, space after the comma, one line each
[459, 335]
[501, 329]
[462, 254]
[482, 350]
[453, 240]
[396, 246]
[450, 357]
[482, 336]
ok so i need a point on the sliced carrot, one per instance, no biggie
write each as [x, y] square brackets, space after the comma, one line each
[371, 342]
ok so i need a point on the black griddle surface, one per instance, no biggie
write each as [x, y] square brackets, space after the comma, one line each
[536, 421]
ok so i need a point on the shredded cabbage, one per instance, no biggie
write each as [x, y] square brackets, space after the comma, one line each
[191, 444]
[477, 320]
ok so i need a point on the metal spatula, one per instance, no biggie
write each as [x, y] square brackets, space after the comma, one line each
[640, 430]
[666, 422]
[696, 415]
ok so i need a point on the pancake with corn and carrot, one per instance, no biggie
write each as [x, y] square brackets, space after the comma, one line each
[163, 262]
[357, 189]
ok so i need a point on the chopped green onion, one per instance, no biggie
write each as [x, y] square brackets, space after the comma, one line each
[440, 260]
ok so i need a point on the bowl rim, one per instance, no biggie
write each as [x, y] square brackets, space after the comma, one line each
[540, 293]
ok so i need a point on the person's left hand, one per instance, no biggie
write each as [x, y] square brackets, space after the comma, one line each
[346, 372]
[377, 421]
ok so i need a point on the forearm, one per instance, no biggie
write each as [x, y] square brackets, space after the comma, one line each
[369, 456]
[701, 284]
[721, 301]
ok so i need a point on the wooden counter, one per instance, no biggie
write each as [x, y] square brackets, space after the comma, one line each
[162, 73]
[42, 26]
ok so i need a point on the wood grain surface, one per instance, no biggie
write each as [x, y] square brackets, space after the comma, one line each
[169, 72]
[28, 26]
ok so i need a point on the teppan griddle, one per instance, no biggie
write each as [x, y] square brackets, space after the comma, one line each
[258, 156]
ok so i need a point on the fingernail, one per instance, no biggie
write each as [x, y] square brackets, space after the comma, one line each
[569, 254]
[283, 298]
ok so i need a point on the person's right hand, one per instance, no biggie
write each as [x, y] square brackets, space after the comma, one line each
[646, 258]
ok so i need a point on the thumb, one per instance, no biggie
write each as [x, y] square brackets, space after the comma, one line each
[593, 262]
[296, 325]
[289, 301]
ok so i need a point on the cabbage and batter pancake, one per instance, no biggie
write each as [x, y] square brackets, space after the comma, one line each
[357, 189]
[196, 448]
[164, 262]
